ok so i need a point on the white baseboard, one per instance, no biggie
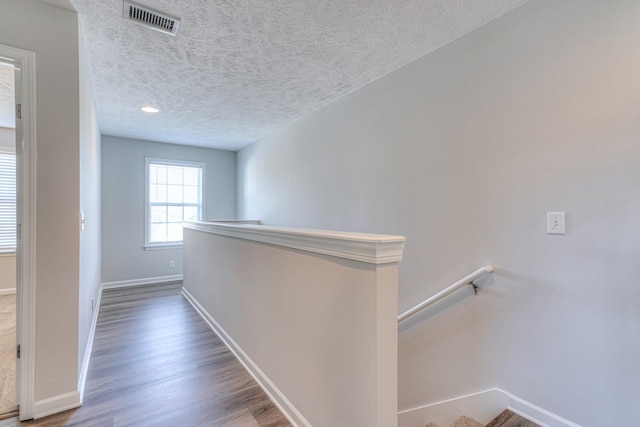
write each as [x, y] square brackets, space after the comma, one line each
[9, 291]
[277, 397]
[140, 282]
[87, 353]
[482, 406]
[538, 415]
[53, 405]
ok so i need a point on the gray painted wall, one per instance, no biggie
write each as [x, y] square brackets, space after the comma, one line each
[463, 152]
[123, 256]
[52, 33]
[315, 326]
[90, 244]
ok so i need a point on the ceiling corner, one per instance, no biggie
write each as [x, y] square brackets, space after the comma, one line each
[65, 4]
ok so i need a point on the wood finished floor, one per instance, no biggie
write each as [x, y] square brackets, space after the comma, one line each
[155, 362]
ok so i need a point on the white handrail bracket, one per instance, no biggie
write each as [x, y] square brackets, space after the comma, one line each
[468, 280]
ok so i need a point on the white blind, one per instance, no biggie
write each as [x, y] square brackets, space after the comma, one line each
[7, 202]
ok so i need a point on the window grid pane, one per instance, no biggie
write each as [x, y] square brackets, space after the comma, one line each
[7, 202]
[175, 195]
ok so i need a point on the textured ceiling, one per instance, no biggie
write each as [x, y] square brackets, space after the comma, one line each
[239, 69]
[7, 116]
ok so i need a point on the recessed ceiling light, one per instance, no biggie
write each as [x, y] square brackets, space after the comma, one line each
[149, 109]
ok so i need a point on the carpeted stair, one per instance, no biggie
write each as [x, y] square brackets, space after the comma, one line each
[506, 418]
[462, 421]
[7, 355]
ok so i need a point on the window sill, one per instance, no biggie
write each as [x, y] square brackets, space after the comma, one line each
[160, 246]
[8, 253]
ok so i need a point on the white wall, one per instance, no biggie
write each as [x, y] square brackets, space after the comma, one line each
[90, 243]
[315, 321]
[123, 256]
[52, 33]
[463, 152]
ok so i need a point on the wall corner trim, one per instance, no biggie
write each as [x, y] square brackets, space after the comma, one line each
[55, 404]
[369, 248]
[277, 397]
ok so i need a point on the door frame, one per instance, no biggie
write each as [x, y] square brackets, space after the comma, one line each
[26, 162]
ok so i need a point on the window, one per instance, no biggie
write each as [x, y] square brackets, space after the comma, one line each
[7, 202]
[174, 194]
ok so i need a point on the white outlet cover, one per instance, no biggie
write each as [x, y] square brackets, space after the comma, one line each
[555, 223]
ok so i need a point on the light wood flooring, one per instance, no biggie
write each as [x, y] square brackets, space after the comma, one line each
[155, 362]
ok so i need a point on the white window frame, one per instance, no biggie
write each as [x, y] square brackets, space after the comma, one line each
[147, 201]
[11, 250]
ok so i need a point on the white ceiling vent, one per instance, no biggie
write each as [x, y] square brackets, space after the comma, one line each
[151, 18]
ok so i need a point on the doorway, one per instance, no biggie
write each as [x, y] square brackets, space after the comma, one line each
[8, 226]
[20, 221]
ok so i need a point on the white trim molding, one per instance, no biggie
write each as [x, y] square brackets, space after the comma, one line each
[148, 161]
[56, 404]
[538, 415]
[162, 246]
[26, 150]
[10, 291]
[369, 248]
[482, 406]
[84, 370]
[277, 397]
[141, 282]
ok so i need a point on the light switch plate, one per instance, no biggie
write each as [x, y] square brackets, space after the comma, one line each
[555, 223]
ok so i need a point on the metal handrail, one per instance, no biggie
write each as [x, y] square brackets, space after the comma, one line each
[465, 281]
